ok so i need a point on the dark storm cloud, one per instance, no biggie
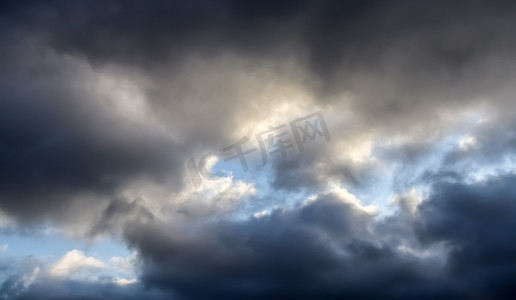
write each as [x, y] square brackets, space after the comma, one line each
[401, 60]
[58, 142]
[477, 223]
[322, 250]
[398, 66]
[70, 289]
[149, 33]
[420, 48]
[333, 249]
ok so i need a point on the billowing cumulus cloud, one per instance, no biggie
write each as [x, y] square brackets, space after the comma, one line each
[73, 262]
[106, 110]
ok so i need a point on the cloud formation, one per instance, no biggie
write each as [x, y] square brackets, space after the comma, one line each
[103, 104]
[73, 262]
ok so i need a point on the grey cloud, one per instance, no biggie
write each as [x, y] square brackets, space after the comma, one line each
[406, 68]
[59, 143]
[493, 140]
[332, 249]
[70, 289]
[319, 250]
[400, 62]
[476, 221]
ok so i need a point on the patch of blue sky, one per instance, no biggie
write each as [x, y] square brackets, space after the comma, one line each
[260, 175]
[50, 246]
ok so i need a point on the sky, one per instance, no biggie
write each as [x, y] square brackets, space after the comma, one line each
[231, 149]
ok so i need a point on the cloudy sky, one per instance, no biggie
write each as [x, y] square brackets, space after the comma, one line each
[257, 149]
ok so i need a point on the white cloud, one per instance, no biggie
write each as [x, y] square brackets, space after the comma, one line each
[351, 199]
[123, 281]
[3, 248]
[124, 265]
[467, 142]
[74, 261]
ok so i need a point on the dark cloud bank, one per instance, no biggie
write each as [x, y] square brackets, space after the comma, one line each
[326, 249]
[403, 61]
